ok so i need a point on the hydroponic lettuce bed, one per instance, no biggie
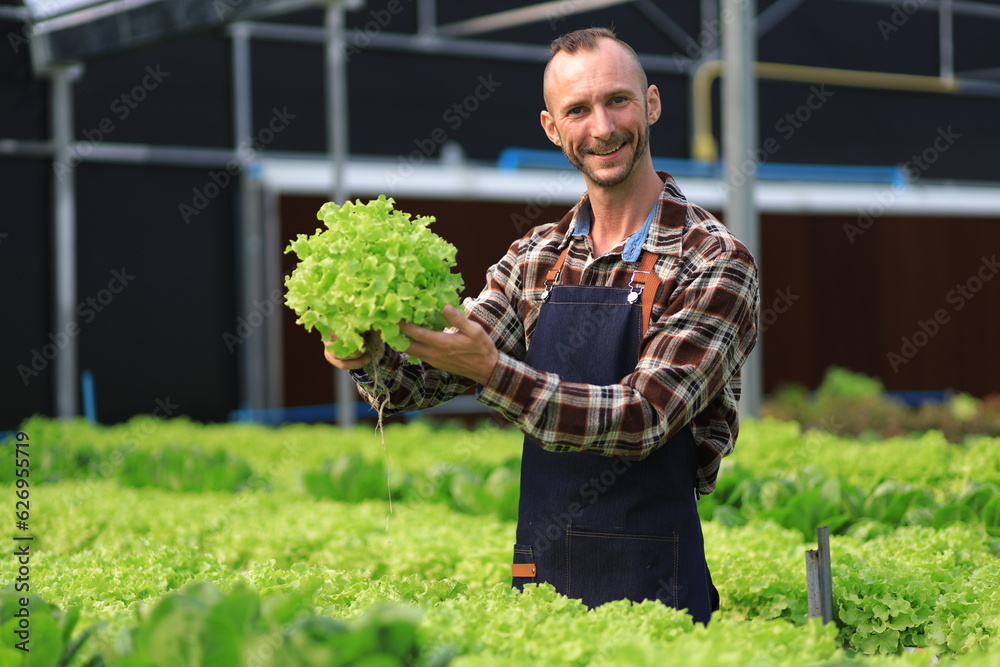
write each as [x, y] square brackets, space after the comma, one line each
[173, 543]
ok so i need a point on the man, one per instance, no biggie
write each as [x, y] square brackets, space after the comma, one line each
[613, 339]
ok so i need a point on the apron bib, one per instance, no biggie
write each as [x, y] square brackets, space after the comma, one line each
[600, 528]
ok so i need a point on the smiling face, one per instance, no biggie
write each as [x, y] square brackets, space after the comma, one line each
[599, 111]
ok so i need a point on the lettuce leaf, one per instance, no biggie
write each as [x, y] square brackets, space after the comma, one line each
[371, 268]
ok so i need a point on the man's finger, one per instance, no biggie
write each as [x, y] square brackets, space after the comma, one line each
[415, 332]
[457, 318]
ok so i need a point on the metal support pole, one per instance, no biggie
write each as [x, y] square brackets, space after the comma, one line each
[250, 243]
[708, 34]
[426, 17]
[946, 40]
[739, 135]
[271, 216]
[819, 578]
[67, 388]
[336, 118]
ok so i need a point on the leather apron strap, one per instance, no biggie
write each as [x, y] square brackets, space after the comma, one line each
[644, 282]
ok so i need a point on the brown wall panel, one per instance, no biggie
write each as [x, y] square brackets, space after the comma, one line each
[913, 301]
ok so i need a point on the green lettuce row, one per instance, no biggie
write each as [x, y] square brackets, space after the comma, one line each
[277, 457]
[772, 447]
[464, 469]
[767, 448]
[806, 499]
[538, 626]
[951, 601]
[111, 550]
[201, 625]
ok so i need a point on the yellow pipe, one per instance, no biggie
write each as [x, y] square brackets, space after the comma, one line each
[703, 144]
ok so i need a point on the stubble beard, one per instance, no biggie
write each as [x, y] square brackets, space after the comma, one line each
[622, 176]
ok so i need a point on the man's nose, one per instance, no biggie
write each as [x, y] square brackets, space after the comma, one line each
[603, 125]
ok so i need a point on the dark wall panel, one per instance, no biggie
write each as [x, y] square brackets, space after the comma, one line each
[26, 376]
[176, 93]
[157, 294]
[23, 98]
[289, 99]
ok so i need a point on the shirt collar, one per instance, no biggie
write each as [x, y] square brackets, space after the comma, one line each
[663, 238]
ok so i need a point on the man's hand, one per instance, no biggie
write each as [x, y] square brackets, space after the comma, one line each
[468, 352]
[356, 360]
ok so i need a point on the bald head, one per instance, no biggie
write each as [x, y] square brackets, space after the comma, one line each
[588, 40]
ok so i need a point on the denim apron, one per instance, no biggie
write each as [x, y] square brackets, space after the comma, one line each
[601, 528]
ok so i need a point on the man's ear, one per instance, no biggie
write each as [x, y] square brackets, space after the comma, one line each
[653, 104]
[549, 125]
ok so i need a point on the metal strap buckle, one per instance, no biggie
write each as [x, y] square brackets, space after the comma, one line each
[635, 289]
[547, 291]
[548, 285]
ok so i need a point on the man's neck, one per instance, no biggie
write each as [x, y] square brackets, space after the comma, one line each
[619, 211]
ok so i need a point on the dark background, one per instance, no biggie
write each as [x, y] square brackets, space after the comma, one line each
[161, 339]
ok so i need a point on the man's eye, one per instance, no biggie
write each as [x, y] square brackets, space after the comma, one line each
[576, 111]
[617, 100]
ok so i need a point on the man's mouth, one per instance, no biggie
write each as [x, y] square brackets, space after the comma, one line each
[608, 151]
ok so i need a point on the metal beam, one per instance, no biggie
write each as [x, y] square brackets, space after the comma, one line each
[962, 7]
[662, 20]
[472, 48]
[8, 13]
[513, 18]
[739, 131]
[984, 73]
[703, 142]
[775, 14]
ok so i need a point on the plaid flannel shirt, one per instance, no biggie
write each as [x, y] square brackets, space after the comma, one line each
[703, 326]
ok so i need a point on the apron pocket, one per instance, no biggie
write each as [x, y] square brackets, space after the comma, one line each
[609, 564]
[523, 570]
